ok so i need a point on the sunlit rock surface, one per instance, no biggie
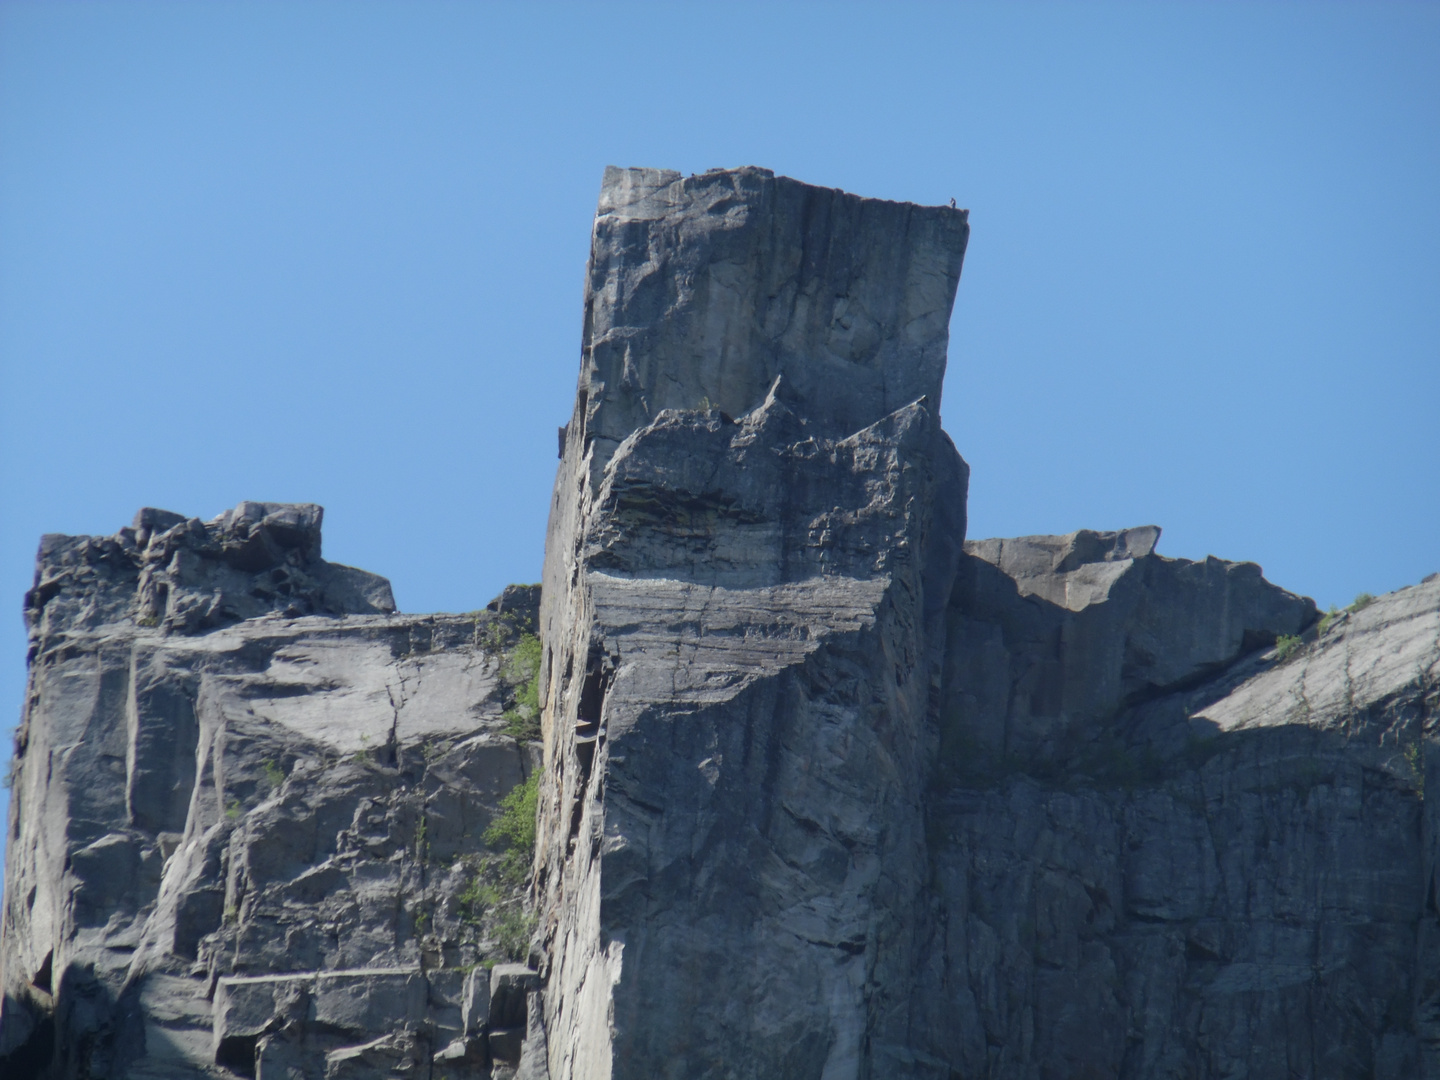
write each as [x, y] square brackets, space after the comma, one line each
[248, 810]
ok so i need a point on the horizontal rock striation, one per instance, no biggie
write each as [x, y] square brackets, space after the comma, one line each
[249, 813]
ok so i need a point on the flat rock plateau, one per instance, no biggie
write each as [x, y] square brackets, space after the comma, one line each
[775, 775]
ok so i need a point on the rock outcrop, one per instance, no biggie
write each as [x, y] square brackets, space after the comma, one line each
[1228, 877]
[755, 530]
[249, 812]
[777, 777]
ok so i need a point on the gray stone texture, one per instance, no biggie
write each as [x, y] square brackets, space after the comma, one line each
[703, 291]
[756, 522]
[248, 841]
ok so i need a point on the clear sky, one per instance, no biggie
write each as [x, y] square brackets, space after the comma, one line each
[333, 252]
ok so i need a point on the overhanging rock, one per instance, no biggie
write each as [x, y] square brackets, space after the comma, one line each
[756, 525]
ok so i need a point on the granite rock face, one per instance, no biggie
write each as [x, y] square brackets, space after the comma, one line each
[756, 523]
[701, 292]
[822, 790]
[186, 576]
[829, 794]
[1219, 878]
[247, 830]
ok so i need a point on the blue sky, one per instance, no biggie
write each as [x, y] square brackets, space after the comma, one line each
[333, 252]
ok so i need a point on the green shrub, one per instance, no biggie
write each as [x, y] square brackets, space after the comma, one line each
[274, 774]
[1361, 602]
[522, 671]
[513, 933]
[513, 832]
[1326, 619]
[363, 756]
[522, 727]
[1286, 646]
[477, 898]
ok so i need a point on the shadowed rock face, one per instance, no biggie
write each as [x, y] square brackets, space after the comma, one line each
[825, 791]
[185, 576]
[1230, 879]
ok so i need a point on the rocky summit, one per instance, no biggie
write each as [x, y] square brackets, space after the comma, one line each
[776, 775]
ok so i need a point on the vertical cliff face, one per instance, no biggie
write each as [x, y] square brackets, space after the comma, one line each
[756, 523]
[1164, 848]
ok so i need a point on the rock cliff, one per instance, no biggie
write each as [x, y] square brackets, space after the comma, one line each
[776, 776]
[249, 816]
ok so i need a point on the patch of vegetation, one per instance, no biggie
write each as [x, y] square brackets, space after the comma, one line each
[274, 774]
[522, 671]
[478, 898]
[494, 635]
[513, 933]
[1416, 759]
[1361, 602]
[147, 621]
[364, 755]
[513, 832]
[1286, 646]
[495, 909]
[233, 809]
[1327, 620]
